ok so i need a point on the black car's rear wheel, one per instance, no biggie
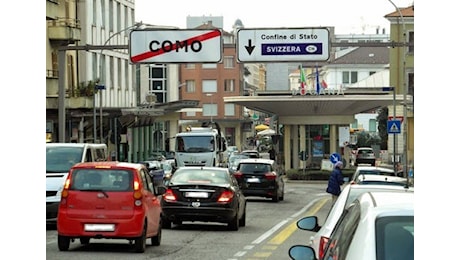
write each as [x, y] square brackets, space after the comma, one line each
[275, 197]
[242, 221]
[233, 224]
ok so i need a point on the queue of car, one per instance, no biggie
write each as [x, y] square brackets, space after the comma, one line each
[96, 197]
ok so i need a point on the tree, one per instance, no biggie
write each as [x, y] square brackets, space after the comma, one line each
[367, 139]
[382, 119]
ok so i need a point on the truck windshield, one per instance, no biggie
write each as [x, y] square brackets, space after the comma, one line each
[195, 144]
[61, 159]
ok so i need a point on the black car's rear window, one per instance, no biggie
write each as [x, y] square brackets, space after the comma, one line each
[102, 179]
[254, 167]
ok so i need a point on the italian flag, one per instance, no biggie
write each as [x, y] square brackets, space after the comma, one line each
[303, 81]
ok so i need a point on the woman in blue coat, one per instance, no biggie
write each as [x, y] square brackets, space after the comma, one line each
[335, 181]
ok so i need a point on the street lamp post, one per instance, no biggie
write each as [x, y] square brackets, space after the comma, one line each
[212, 104]
[403, 126]
[101, 85]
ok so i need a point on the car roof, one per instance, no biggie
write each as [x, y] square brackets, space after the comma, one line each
[202, 168]
[249, 151]
[257, 160]
[370, 168]
[376, 177]
[392, 203]
[365, 148]
[108, 164]
[75, 145]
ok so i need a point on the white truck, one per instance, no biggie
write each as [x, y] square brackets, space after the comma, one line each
[201, 146]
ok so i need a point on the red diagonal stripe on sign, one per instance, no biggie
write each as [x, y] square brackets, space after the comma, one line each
[149, 54]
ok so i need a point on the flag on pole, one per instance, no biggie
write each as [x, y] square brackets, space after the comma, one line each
[317, 80]
[303, 81]
[323, 83]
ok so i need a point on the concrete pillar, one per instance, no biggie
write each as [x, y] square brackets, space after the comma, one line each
[302, 145]
[333, 142]
[287, 147]
[295, 147]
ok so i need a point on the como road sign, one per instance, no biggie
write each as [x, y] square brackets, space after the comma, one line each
[175, 46]
[276, 45]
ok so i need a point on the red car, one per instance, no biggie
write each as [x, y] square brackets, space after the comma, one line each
[110, 200]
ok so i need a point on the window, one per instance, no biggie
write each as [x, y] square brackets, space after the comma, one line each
[229, 85]
[119, 16]
[395, 237]
[410, 83]
[349, 77]
[110, 15]
[209, 66]
[343, 233]
[190, 65]
[209, 109]
[229, 109]
[229, 62]
[410, 39]
[209, 85]
[158, 82]
[190, 86]
[190, 113]
[372, 125]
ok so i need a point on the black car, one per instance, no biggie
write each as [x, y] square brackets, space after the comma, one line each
[207, 194]
[258, 177]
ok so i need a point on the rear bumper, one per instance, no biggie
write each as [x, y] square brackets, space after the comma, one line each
[268, 193]
[365, 160]
[206, 214]
[124, 228]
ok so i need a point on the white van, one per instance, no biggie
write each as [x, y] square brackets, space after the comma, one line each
[60, 157]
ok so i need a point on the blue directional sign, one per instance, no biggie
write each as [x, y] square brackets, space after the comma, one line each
[335, 157]
[394, 126]
[283, 44]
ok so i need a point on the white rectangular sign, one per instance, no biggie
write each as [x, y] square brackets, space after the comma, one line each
[175, 46]
[271, 44]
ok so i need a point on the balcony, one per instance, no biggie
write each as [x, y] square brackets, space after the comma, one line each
[75, 97]
[64, 30]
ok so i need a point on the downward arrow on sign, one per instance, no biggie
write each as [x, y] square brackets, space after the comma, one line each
[250, 47]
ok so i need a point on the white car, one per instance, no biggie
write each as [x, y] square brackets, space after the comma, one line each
[381, 179]
[349, 193]
[377, 225]
[375, 170]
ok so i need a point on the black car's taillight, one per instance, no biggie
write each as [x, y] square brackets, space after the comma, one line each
[226, 196]
[270, 176]
[169, 196]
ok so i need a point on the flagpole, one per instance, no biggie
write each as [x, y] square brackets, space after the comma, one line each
[317, 80]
